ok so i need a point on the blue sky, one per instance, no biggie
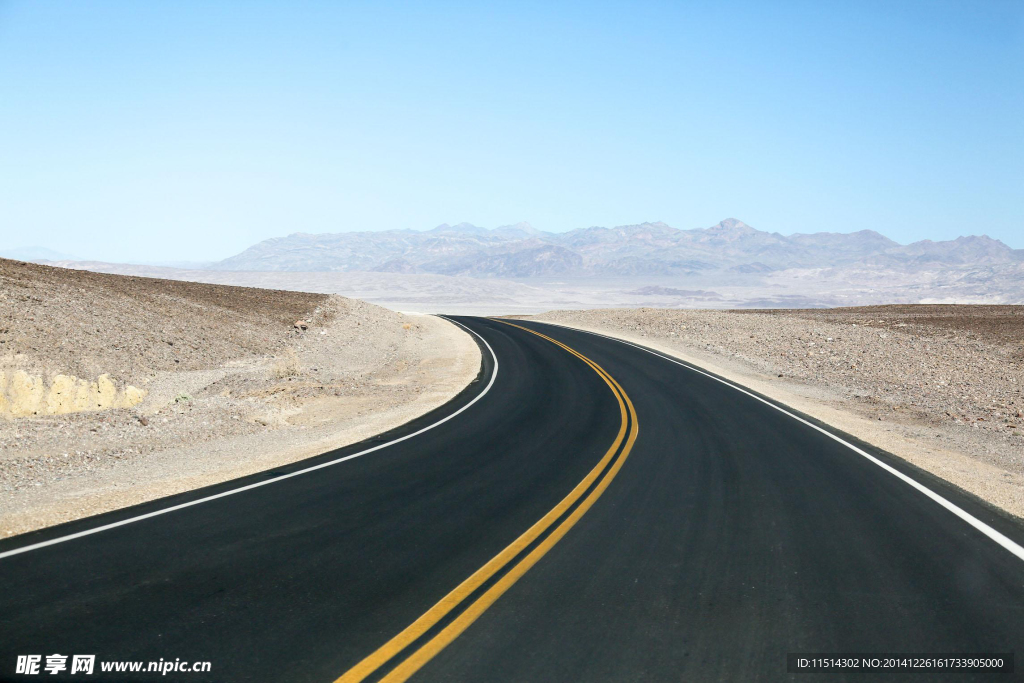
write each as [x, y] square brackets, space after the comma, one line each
[155, 131]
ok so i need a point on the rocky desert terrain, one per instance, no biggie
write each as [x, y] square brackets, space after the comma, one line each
[939, 385]
[115, 390]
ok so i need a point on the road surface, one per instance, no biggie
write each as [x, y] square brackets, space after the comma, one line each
[586, 510]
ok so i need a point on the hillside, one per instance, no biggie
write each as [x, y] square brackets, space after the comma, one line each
[87, 324]
[115, 390]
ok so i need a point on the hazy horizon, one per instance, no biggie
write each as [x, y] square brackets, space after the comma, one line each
[32, 252]
[140, 132]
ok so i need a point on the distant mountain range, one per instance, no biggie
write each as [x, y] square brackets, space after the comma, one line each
[35, 254]
[647, 249]
[515, 268]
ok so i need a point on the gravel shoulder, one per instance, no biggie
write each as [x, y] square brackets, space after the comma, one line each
[230, 385]
[939, 386]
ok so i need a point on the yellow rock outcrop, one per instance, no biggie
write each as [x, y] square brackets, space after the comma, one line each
[23, 394]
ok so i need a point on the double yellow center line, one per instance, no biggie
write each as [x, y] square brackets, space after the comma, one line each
[424, 652]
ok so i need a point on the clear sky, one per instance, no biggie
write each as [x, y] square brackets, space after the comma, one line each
[158, 131]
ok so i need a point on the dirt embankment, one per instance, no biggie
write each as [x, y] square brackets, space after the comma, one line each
[221, 384]
[938, 385]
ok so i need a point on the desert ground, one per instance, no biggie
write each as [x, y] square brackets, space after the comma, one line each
[116, 390]
[938, 385]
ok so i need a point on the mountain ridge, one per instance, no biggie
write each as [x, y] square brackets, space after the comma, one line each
[642, 249]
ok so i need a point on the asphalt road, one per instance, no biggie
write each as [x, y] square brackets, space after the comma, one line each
[587, 512]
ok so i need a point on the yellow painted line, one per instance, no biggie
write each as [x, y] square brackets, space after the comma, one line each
[430, 618]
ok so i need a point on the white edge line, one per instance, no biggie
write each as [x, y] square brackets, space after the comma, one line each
[223, 494]
[996, 536]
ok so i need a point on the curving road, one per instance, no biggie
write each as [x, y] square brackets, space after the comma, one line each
[587, 510]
